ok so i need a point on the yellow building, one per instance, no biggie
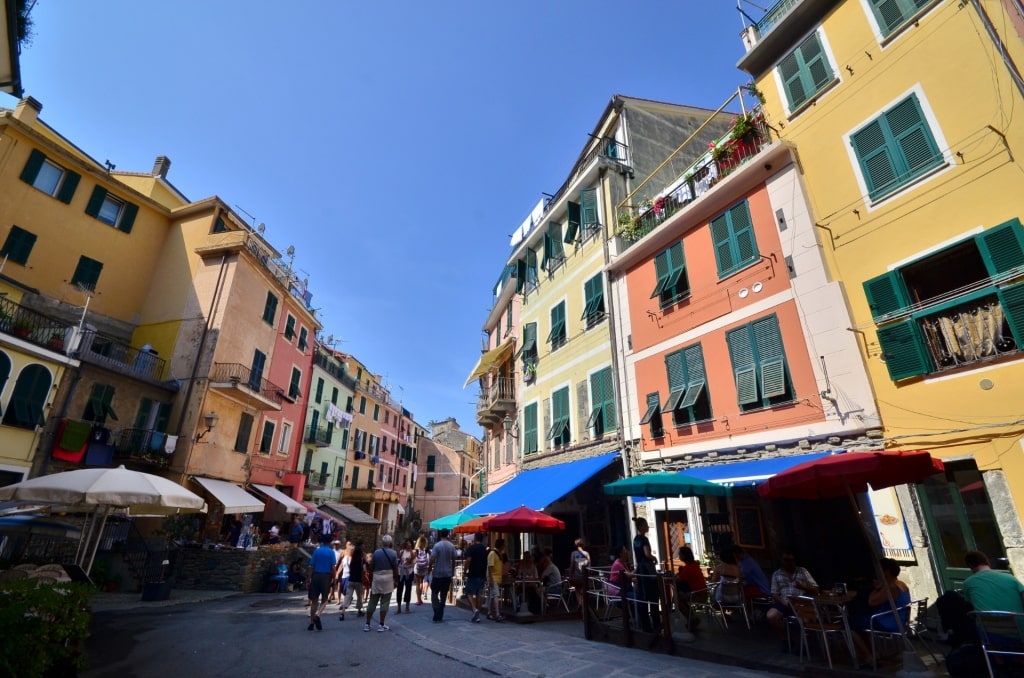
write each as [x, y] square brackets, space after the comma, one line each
[904, 115]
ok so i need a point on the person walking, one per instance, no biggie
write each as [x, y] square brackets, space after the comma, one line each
[476, 575]
[384, 579]
[422, 563]
[405, 576]
[495, 575]
[355, 581]
[336, 593]
[441, 569]
[322, 565]
[646, 578]
[578, 562]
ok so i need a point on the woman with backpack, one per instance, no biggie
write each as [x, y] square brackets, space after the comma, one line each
[420, 568]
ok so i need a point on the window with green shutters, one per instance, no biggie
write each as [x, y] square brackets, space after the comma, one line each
[652, 415]
[593, 301]
[602, 402]
[294, 388]
[259, 359]
[245, 422]
[267, 439]
[289, 328]
[18, 245]
[49, 177]
[952, 308]
[87, 273]
[891, 14]
[588, 212]
[320, 389]
[31, 391]
[759, 364]
[355, 477]
[111, 210]
[805, 71]
[531, 444]
[526, 272]
[303, 339]
[431, 463]
[362, 404]
[560, 433]
[688, 399]
[895, 148]
[574, 215]
[529, 350]
[344, 439]
[732, 233]
[554, 253]
[670, 268]
[99, 406]
[270, 309]
[376, 412]
[558, 335]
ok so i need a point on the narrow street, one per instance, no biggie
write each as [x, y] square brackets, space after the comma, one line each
[265, 635]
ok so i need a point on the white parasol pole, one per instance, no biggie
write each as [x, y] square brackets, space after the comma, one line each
[99, 538]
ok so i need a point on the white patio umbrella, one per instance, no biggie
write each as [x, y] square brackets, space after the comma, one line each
[101, 490]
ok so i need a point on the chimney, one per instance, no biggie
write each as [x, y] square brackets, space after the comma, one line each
[160, 167]
[27, 111]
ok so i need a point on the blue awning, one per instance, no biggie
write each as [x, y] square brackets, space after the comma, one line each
[749, 473]
[540, 487]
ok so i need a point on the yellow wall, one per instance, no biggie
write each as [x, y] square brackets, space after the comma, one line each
[18, 445]
[947, 58]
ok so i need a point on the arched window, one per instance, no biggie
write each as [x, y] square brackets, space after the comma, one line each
[25, 408]
[5, 370]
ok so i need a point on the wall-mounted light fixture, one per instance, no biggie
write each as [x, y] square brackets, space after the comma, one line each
[210, 420]
[510, 427]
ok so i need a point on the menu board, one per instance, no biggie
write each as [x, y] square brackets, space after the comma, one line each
[748, 527]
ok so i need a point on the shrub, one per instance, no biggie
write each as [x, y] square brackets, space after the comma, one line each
[42, 627]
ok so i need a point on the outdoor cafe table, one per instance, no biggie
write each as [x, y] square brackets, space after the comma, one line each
[832, 606]
[519, 591]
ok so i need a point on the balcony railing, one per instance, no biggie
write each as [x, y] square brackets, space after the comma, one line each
[967, 333]
[240, 374]
[140, 444]
[96, 348]
[501, 389]
[317, 479]
[774, 16]
[33, 327]
[727, 155]
[611, 150]
[318, 435]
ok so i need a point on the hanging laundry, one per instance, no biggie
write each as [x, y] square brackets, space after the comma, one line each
[156, 441]
[100, 435]
[62, 449]
[172, 442]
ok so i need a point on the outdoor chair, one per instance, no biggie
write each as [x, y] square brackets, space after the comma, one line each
[557, 597]
[880, 636]
[729, 596]
[704, 601]
[811, 620]
[916, 626]
[1002, 639]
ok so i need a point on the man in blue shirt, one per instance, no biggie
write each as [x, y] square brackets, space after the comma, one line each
[321, 565]
[754, 579]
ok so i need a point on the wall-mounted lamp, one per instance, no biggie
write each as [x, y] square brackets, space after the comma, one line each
[210, 420]
[510, 427]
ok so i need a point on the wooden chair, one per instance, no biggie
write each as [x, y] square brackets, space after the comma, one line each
[811, 620]
[1002, 636]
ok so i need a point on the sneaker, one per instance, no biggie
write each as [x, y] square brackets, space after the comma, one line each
[342, 617]
[319, 626]
[382, 628]
[366, 627]
[476, 617]
[310, 627]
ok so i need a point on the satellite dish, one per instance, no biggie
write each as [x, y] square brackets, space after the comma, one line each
[290, 251]
[261, 228]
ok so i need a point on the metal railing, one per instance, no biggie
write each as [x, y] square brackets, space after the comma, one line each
[606, 148]
[317, 478]
[34, 327]
[96, 348]
[319, 435]
[240, 374]
[141, 444]
[774, 16]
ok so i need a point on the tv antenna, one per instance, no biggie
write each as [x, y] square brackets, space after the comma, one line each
[239, 208]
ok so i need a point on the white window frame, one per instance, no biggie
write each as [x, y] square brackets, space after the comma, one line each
[63, 173]
[116, 202]
[837, 76]
[285, 438]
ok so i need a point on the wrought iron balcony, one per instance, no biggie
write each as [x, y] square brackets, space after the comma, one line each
[36, 328]
[235, 377]
[139, 444]
[315, 480]
[124, 358]
[775, 14]
[318, 435]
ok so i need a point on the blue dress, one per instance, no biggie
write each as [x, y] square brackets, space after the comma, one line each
[886, 622]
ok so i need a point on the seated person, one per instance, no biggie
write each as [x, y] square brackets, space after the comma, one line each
[787, 581]
[990, 590]
[550, 576]
[878, 602]
[690, 585]
[727, 570]
[755, 583]
[620, 576]
[279, 575]
[297, 574]
[528, 570]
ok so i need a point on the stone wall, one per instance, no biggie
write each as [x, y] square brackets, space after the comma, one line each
[230, 569]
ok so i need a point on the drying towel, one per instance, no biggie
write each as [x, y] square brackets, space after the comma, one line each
[99, 455]
[156, 441]
[75, 435]
[74, 456]
[172, 442]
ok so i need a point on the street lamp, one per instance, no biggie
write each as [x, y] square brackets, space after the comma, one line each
[510, 427]
[210, 420]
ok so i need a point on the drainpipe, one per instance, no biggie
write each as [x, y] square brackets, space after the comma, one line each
[218, 289]
[1015, 75]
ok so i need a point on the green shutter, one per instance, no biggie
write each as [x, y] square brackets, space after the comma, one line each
[773, 378]
[792, 82]
[661, 270]
[676, 370]
[128, 217]
[557, 334]
[293, 387]
[270, 308]
[1012, 299]
[68, 186]
[267, 438]
[815, 64]
[289, 328]
[520, 275]
[319, 389]
[87, 273]
[653, 405]
[163, 416]
[913, 138]
[18, 245]
[99, 194]
[891, 14]
[259, 359]
[723, 247]
[771, 355]
[608, 388]
[745, 246]
[588, 207]
[904, 350]
[572, 224]
[741, 354]
[875, 158]
[596, 399]
[1002, 247]
[553, 251]
[696, 376]
[142, 416]
[529, 338]
[886, 294]
[530, 429]
[32, 166]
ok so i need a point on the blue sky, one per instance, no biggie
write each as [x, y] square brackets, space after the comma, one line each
[395, 144]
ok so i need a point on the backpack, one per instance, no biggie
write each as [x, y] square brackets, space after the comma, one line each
[422, 559]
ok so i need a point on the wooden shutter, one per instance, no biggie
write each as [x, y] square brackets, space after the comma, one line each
[696, 375]
[270, 308]
[1012, 299]
[816, 66]
[913, 137]
[244, 432]
[572, 224]
[653, 405]
[19, 245]
[530, 428]
[32, 166]
[886, 294]
[87, 273]
[320, 389]
[520, 275]
[661, 270]
[771, 356]
[259, 358]
[68, 186]
[722, 243]
[875, 158]
[588, 207]
[792, 82]
[1002, 247]
[267, 439]
[596, 402]
[904, 350]
[741, 353]
[742, 227]
[128, 217]
[99, 194]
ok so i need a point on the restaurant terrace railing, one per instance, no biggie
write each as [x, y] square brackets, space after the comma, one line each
[240, 374]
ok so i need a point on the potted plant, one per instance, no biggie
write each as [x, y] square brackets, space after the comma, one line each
[56, 341]
[629, 228]
[22, 327]
[529, 371]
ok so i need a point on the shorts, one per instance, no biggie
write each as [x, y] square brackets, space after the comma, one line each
[320, 585]
[474, 586]
[494, 590]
